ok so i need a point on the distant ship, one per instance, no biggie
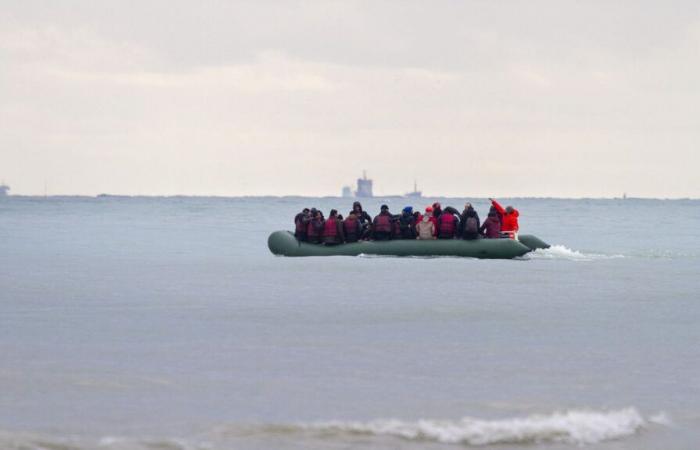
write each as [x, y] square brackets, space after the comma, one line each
[416, 193]
[364, 186]
[4, 189]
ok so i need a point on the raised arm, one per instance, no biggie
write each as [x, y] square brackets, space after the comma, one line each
[498, 207]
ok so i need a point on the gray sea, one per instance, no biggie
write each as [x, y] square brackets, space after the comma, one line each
[165, 323]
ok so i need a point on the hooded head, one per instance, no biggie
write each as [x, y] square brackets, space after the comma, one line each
[333, 213]
[437, 205]
[408, 210]
[305, 210]
[384, 208]
[357, 207]
[509, 210]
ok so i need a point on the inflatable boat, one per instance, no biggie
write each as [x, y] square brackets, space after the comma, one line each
[284, 243]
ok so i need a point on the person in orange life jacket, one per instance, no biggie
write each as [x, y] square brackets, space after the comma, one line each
[382, 226]
[491, 228]
[333, 229]
[352, 228]
[469, 223]
[364, 218]
[314, 230]
[426, 225]
[509, 216]
[301, 222]
[406, 224]
[447, 225]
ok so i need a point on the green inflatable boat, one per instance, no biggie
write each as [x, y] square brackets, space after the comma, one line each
[284, 243]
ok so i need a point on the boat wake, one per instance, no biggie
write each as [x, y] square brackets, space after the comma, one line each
[565, 253]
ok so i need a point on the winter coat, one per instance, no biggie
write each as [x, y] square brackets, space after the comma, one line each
[426, 228]
[509, 221]
[491, 227]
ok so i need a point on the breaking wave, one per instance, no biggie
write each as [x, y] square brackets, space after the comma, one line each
[563, 252]
[575, 427]
[571, 427]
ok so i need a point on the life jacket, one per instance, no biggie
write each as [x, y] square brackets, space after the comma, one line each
[382, 223]
[510, 221]
[471, 226]
[447, 224]
[300, 226]
[330, 228]
[313, 230]
[352, 229]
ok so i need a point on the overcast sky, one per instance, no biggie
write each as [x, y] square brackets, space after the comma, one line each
[471, 98]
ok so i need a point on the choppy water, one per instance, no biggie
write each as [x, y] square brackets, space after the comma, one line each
[166, 323]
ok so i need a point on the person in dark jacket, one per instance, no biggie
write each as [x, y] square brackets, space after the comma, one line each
[333, 229]
[469, 224]
[383, 225]
[407, 224]
[314, 231]
[301, 222]
[364, 218]
[352, 228]
[437, 210]
[491, 228]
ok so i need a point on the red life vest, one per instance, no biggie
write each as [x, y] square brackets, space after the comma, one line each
[300, 228]
[382, 223]
[350, 226]
[311, 230]
[330, 228]
[447, 225]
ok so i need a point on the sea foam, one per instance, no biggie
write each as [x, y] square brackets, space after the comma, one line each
[577, 427]
[563, 252]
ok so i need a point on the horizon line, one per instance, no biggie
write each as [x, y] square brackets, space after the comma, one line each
[394, 196]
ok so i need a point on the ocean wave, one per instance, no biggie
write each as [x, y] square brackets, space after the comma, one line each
[578, 427]
[574, 427]
[563, 252]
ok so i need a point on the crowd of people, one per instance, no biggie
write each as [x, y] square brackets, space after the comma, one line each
[435, 223]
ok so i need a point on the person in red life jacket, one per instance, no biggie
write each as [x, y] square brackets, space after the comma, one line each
[333, 229]
[491, 228]
[352, 228]
[469, 223]
[382, 226]
[301, 222]
[509, 216]
[447, 225]
[314, 230]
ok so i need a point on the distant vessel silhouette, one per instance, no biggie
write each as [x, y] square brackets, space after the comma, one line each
[416, 193]
[364, 186]
[4, 189]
